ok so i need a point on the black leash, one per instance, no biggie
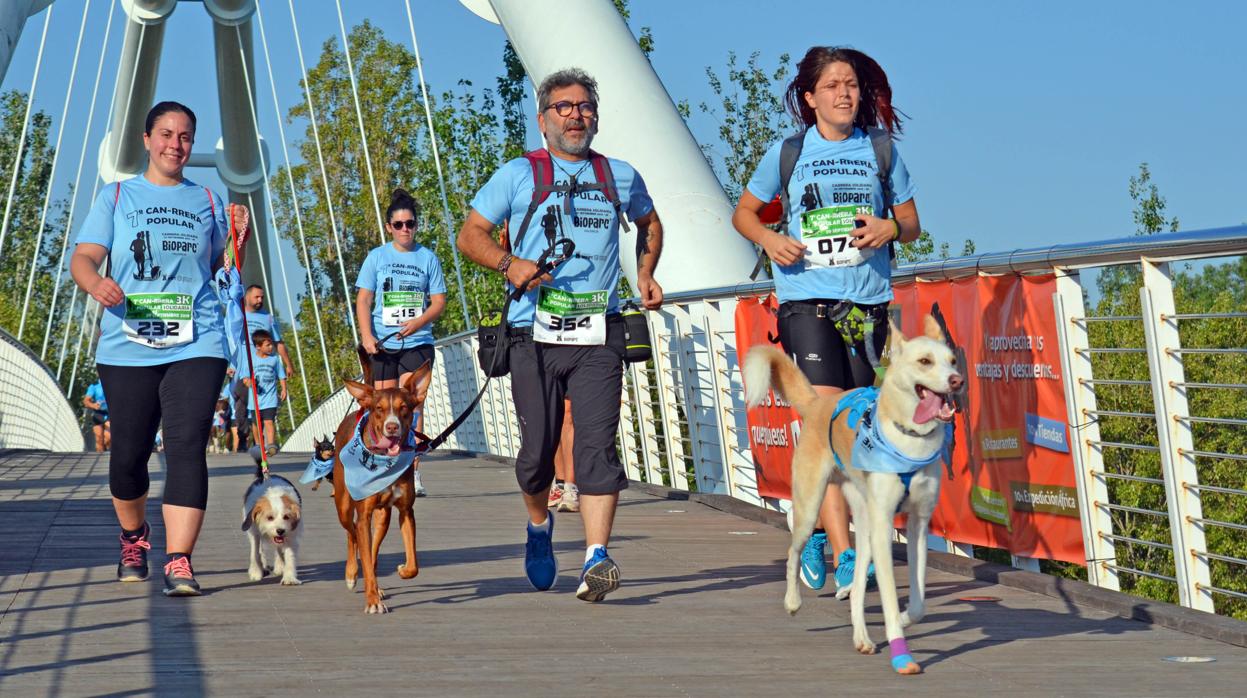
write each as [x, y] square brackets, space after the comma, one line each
[558, 252]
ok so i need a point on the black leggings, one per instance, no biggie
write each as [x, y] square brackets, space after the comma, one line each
[184, 394]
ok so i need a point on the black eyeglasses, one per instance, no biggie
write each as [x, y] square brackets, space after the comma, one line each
[399, 225]
[564, 108]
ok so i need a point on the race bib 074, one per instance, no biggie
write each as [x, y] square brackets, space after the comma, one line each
[566, 317]
[397, 307]
[159, 319]
[828, 233]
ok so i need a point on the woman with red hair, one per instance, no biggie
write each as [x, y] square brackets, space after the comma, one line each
[840, 178]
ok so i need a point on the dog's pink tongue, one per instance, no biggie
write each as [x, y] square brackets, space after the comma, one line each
[389, 445]
[929, 405]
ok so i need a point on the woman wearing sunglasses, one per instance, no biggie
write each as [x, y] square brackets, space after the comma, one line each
[401, 293]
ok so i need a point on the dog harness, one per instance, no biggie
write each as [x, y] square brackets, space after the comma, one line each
[316, 469]
[367, 473]
[872, 452]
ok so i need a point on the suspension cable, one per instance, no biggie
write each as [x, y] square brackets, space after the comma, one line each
[437, 163]
[294, 197]
[47, 197]
[21, 140]
[90, 303]
[69, 222]
[359, 114]
[293, 327]
[320, 157]
[268, 196]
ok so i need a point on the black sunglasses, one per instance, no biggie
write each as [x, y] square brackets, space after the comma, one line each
[408, 224]
[564, 108]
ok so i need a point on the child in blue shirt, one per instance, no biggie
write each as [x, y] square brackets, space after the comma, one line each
[270, 382]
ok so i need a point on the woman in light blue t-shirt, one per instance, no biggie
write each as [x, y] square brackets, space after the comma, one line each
[161, 353]
[834, 259]
[401, 293]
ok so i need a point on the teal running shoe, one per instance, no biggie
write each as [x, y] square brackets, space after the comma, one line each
[844, 573]
[814, 562]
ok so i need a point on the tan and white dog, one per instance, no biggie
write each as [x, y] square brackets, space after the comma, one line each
[271, 518]
[913, 408]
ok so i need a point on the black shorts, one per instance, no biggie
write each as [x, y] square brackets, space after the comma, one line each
[542, 375]
[268, 414]
[240, 393]
[819, 349]
[388, 366]
[99, 419]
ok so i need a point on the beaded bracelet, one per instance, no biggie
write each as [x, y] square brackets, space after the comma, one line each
[505, 263]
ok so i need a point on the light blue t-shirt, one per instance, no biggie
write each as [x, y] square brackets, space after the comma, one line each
[161, 239]
[268, 371]
[401, 283]
[833, 173]
[593, 225]
[95, 391]
[256, 320]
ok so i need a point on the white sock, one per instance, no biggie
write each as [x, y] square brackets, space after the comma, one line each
[544, 525]
[592, 549]
[417, 477]
[571, 487]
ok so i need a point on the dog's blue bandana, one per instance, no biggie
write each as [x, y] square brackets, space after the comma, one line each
[872, 452]
[316, 469]
[368, 473]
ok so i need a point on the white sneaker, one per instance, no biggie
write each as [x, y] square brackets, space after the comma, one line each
[420, 491]
[570, 500]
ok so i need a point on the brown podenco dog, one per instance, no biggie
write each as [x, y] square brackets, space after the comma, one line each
[390, 414]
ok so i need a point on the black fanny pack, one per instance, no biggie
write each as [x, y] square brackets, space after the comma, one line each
[493, 350]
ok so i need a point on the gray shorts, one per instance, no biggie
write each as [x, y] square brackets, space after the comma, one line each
[542, 375]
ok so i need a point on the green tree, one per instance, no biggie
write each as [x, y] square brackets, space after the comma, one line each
[750, 114]
[924, 250]
[24, 250]
[1135, 475]
[469, 136]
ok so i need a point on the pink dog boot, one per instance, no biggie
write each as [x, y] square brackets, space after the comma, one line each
[902, 661]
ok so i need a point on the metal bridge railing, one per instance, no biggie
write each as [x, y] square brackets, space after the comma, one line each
[33, 411]
[1154, 420]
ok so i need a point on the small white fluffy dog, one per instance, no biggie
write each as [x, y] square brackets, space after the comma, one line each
[271, 517]
[909, 418]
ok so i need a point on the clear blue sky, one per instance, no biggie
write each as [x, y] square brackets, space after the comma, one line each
[1027, 118]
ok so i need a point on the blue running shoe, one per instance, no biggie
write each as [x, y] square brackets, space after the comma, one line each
[539, 562]
[599, 577]
[814, 562]
[844, 573]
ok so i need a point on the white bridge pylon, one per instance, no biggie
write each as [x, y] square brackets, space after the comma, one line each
[238, 159]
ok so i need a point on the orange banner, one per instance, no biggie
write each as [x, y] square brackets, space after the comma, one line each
[1013, 477]
[773, 425]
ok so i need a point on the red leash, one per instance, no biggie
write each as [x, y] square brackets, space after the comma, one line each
[246, 343]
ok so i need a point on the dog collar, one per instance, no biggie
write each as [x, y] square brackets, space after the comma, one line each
[910, 432]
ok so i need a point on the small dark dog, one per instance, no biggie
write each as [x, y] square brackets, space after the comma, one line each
[322, 449]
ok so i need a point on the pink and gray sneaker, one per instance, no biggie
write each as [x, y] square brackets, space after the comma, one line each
[133, 564]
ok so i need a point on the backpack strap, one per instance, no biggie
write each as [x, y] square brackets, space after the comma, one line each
[602, 169]
[543, 185]
[881, 142]
[789, 153]
[117, 194]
